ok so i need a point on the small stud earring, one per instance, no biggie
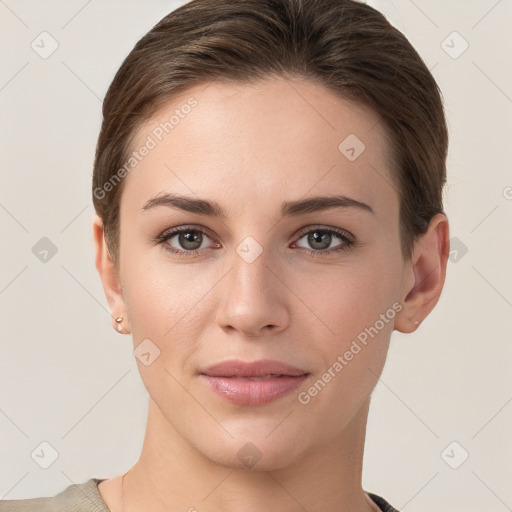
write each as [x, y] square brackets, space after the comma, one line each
[119, 320]
[417, 322]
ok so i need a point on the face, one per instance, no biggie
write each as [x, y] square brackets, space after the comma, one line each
[313, 285]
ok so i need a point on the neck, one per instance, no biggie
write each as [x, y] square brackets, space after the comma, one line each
[171, 475]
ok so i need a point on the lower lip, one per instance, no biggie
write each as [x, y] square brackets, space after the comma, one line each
[254, 392]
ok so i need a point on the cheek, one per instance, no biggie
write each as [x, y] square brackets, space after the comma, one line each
[162, 301]
[349, 298]
[167, 303]
[357, 306]
[360, 319]
[166, 318]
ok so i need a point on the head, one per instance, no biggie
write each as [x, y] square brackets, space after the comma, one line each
[256, 110]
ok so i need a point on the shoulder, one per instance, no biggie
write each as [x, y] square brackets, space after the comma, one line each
[83, 497]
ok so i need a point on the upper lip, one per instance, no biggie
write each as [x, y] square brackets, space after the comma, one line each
[261, 368]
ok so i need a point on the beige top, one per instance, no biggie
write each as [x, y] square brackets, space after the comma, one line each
[85, 497]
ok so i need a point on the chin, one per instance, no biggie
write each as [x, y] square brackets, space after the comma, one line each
[257, 452]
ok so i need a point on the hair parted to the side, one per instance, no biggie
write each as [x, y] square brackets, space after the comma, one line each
[345, 45]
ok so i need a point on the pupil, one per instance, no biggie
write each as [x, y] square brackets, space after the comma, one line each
[189, 238]
[317, 237]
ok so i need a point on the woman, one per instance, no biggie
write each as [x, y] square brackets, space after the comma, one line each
[268, 188]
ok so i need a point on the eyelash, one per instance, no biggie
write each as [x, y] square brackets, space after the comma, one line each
[346, 238]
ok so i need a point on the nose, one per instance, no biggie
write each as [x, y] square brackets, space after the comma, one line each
[254, 300]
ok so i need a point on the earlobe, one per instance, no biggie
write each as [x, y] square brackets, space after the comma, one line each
[110, 279]
[425, 276]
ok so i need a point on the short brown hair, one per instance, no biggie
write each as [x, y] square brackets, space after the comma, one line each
[345, 45]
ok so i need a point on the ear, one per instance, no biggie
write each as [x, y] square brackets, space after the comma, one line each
[425, 275]
[109, 276]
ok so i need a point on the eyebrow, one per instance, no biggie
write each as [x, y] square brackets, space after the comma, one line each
[288, 208]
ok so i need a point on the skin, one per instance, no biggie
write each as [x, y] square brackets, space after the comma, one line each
[250, 147]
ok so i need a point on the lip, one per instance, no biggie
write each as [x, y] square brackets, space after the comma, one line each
[253, 383]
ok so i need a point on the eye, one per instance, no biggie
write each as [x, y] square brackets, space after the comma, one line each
[188, 240]
[321, 239]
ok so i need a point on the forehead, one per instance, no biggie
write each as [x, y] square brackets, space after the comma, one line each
[239, 143]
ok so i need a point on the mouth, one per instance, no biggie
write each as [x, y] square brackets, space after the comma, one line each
[266, 377]
[253, 383]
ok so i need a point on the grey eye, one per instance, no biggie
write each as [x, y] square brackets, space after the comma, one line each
[320, 239]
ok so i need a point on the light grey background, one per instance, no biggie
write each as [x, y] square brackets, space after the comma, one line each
[66, 378]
